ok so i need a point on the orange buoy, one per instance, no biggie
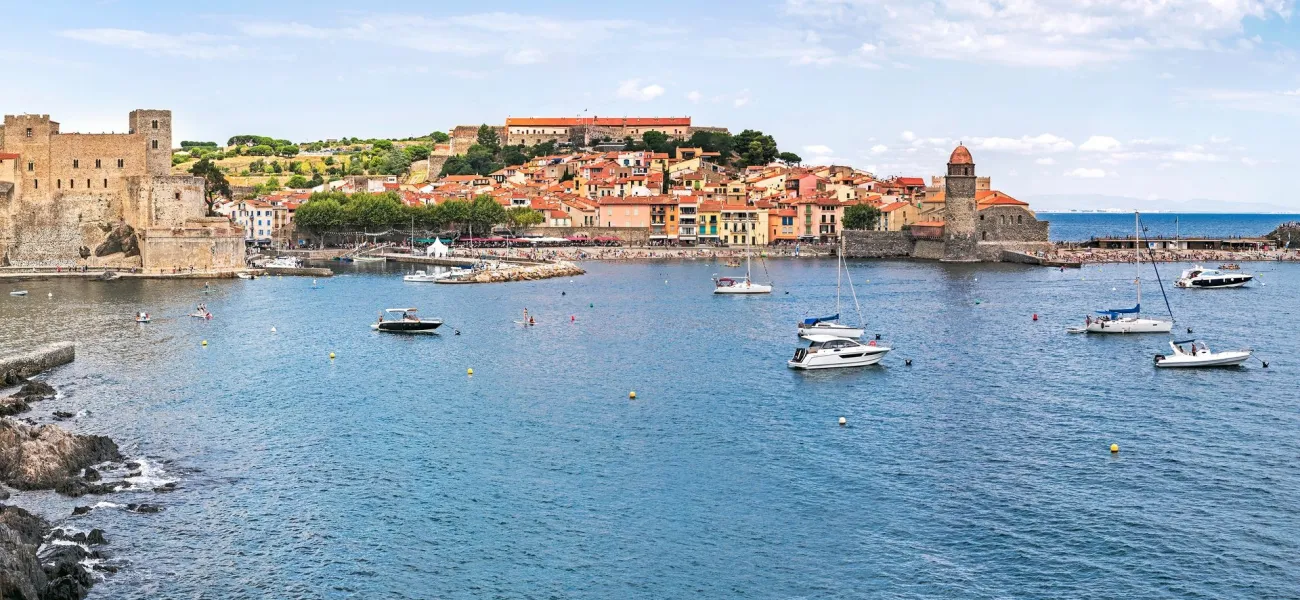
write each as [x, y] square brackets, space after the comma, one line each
[1035, 316]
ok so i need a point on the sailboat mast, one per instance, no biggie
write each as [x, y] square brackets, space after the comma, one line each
[1137, 236]
[839, 268]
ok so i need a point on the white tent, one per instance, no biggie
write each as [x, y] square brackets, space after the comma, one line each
[437, 249]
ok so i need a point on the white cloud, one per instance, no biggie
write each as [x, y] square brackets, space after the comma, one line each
[818, 149]
[633, 90]
[186, 45]
[1100, 143]
[1218, 139]
[1086, 173]
[1165, 75]
[1043, 33]
[741, 99]
[1295, 92]
[527, 56]
[694, 96]
[1026, 144]
[1249, 162]
[1046, 161]
[907, 136]
[867, 48]
[879, 148]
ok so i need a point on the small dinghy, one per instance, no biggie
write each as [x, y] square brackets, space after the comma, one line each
[18, 293]
[1198, 355]
[142, 317]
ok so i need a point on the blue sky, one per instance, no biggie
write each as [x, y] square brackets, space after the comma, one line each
[1157, 101]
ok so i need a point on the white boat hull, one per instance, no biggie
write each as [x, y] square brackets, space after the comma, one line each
[1214, 283]
[1213, 359]
[836, 359]
[1131, 325]
[743, 288]
[830, 329]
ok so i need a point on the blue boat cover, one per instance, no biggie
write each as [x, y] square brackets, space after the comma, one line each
[816, 320]
[1120, 311]
[1180, 342]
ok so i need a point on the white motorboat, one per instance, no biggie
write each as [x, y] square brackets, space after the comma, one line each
[1202, 278]
[740, 285]
[18, 293]
[142, 317]
[1128, 320]
[284, 262]
[404, 320]
[368, 259]
[831, 352]
[1198, 355]
[422, 276]
[831, 325]
[244, 275]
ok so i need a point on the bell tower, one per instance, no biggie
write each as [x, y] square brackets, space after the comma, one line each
[959, 208]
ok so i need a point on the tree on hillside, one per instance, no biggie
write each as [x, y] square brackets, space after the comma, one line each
[373, 212]
[439, 137]
[383, 145]
[487, 137]
[655, 141]
[522, 216]
[287, 150]
[485, 212]
[416, 152]
[395, 162]
[789, 158]
[713, 141]
[755, 148]
[214, 183]
[511, 156]
[297, 182]
[861, 216]
[546, 148]
[260, 150]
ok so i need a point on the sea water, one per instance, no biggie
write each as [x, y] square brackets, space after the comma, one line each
[1077, 227]
[980, 471]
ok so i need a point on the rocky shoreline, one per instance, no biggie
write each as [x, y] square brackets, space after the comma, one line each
[39, 560]
[518, 273]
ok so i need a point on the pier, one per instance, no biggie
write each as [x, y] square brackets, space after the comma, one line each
[16, 367]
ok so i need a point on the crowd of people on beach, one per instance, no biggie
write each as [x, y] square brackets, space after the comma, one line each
[622, 253]
[1097, 255]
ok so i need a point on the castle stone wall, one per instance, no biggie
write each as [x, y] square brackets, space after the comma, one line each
[1011, 224]
[877, 244]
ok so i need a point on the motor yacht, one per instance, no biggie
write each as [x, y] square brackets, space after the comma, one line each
[422, 276]
[831, 352]
[284, 262]
[1200, 277]
[1198, 355]
[404, 320]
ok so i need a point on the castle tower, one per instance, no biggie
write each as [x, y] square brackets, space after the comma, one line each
[156, 127]
[959, 207]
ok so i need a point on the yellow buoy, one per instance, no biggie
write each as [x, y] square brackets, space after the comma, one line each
[331, 356]
[631, 395]
[205, 342]
[469, 371]
[1114, 448]
[843, 421]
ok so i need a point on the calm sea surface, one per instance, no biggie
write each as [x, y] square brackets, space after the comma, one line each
[981, 471]
[1074, 227]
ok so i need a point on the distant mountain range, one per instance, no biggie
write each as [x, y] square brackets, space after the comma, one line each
[1104, 203]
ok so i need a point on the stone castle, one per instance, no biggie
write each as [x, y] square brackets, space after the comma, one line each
[959, 210]
[579, 131]
[105, 200]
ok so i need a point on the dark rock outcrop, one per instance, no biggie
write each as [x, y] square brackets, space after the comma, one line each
[36, 457]
[29, 571]
[144, 508]
[61, 415]
[20, 401]
[122, 239]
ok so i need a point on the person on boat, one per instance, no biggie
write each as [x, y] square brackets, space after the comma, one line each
[531, 322]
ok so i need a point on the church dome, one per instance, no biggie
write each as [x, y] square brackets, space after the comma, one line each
[960, 156]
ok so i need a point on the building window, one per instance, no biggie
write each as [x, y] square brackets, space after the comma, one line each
[31, 165]
[96, 163]
[76, 164]
[87, 184]
[29, 132]
[105, 182]
[58, 183]
[155, 123]
[36, 184]
[155, 144]
[120, 163]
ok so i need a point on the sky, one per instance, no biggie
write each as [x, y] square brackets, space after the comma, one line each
[1085, 104]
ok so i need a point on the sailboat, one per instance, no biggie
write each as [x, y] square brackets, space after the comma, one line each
[731, 285]
[831, 325]
[1128, 320]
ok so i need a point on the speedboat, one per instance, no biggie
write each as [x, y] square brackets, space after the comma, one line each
[830, 352]
[368, 259]
[728, 285]
[828, 326]
[244, 275]
[18, 293]
[404, 320]
[1200, 277]
[1197, 354]
[422, 276]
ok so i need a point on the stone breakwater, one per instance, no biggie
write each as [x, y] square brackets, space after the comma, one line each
[37, 560]
[518, 273]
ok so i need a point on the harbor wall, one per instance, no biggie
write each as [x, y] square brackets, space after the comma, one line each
[928, 249]
[631, 236]
[996, 251]
[877, 244]
[14, 368]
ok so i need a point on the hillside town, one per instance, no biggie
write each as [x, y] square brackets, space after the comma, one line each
[598, 181]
